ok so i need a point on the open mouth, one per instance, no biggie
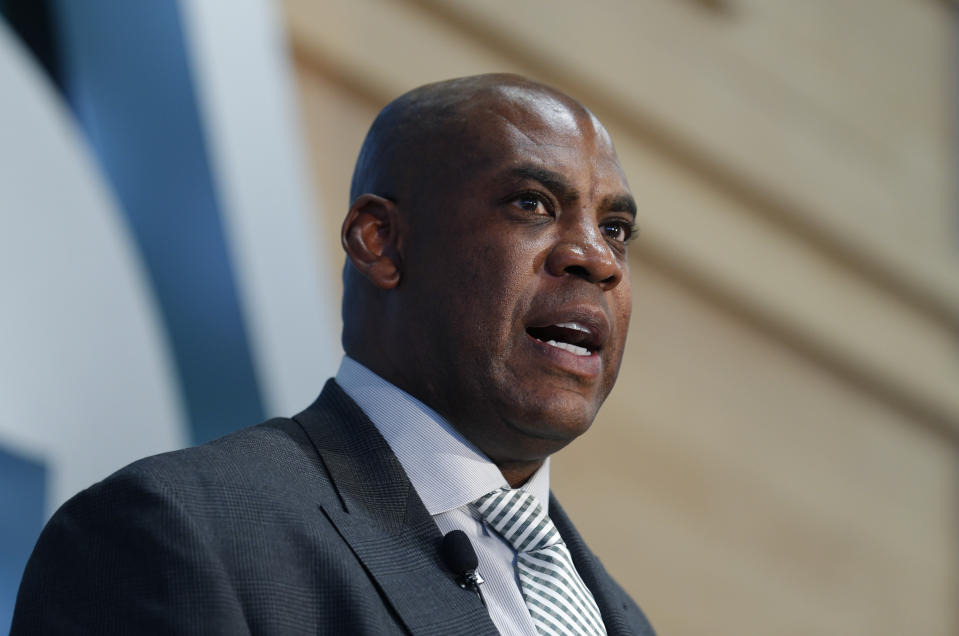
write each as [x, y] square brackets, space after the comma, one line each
[573, 337]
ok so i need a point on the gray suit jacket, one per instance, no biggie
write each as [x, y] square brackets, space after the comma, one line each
[302, 525]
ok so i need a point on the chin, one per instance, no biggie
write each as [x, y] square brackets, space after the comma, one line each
[556, 420]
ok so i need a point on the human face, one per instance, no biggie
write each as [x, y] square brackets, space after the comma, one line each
[515, 286]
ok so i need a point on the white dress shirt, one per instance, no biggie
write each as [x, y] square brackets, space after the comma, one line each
[449, 473]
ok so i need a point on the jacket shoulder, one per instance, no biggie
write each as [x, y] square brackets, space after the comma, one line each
[210, 539]
[274, 455]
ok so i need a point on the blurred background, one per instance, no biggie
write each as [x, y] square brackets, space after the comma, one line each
[781, 453]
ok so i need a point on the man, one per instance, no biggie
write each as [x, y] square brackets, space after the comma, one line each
[485, 313]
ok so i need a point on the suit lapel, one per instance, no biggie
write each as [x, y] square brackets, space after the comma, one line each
[592, 572]
[384, 521]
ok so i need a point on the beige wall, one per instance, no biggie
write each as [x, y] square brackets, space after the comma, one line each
[780, 454]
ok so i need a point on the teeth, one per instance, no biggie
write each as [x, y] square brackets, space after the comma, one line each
[573, 325]
[579, 351]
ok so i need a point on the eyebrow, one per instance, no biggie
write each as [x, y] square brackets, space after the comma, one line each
[564, 190]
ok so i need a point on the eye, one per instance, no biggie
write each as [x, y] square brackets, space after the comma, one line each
[533, 203]
[618, 230]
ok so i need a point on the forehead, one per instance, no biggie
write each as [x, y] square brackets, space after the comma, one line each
[519, 125]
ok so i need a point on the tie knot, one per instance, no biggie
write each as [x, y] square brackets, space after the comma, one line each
[518, 518]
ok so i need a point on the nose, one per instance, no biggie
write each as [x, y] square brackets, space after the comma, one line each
[585, 254]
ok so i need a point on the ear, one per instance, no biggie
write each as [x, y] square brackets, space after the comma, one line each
[371, 238]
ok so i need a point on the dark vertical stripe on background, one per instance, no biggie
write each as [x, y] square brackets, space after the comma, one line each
[127, 75]
[32, 21]
[22, 500]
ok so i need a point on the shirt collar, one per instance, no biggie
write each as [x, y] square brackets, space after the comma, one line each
[446, 470]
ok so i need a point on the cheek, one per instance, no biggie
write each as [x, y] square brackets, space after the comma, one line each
[626, 309]
[623, 299]
[495, 297]
[505, 271]
[621, 307]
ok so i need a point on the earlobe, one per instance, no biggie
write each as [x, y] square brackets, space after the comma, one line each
[371, 238]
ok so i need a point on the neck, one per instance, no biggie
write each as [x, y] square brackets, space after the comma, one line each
[518, 473]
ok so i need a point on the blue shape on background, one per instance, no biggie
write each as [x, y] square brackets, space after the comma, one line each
[125, 71]
[127, 75]
[22, 502]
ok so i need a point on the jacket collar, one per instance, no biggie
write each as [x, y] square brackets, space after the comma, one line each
[380, 516]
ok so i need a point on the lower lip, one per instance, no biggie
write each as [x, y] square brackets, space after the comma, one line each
[585, 366]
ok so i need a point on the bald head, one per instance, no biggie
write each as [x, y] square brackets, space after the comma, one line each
[487, 272]
[439, 134]
[417, 136]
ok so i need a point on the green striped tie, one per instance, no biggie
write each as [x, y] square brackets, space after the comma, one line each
[558, 600]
